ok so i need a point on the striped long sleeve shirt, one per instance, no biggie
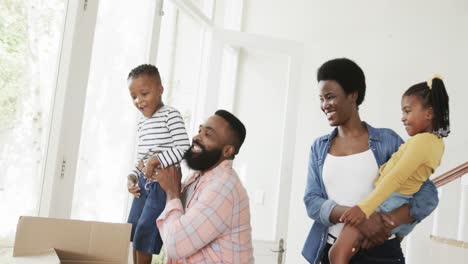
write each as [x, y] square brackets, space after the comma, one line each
[162, 135]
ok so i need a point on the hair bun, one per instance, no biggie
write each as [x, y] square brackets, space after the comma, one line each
[435, 76]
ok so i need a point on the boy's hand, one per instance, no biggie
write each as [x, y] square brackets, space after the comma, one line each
[141, 165]
[132, 186]
[152, 167]
[353, 216]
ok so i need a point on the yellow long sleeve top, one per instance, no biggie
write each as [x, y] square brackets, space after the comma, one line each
[406, 171]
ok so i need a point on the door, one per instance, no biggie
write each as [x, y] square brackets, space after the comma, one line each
[257, 78]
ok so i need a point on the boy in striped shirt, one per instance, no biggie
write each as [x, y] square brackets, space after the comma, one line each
[161, 141]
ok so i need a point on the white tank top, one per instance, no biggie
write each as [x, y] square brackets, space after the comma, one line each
[349, 179]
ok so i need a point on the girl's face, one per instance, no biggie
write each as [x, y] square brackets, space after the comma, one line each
[415, 116]
[335, 104]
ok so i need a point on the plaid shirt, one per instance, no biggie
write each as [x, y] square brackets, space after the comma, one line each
[215, 227]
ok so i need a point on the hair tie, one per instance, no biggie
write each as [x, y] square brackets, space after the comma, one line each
[429, 82]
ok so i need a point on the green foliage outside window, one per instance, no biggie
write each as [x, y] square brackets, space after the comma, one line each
[13, 62]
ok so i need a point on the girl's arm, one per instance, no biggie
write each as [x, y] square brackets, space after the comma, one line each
[413, 157]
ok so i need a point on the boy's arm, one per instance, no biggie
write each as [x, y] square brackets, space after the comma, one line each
[176, 126]
[137, 168]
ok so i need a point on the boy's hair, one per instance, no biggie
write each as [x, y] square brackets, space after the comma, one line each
[236, 127]
[145, 69]
[433, 94]
[347, 74]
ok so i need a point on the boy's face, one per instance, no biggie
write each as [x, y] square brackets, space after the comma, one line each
[146, 93]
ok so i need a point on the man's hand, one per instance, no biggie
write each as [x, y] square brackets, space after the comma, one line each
[375, 230]
[132, 186]
[152, 167]
[353, 216]
[170, 181]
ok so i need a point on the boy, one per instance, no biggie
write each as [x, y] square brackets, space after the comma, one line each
[162, 141]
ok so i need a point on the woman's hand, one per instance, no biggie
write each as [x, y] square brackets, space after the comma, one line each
[375, 230]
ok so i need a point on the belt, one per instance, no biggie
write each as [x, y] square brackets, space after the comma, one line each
[331, 238]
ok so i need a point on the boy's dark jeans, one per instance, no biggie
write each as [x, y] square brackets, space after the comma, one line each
[388, 252]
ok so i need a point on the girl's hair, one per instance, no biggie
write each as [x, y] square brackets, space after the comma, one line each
[434, 94]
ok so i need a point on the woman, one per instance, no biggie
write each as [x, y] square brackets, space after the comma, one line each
[335, 182]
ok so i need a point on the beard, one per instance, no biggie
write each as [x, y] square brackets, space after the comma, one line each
[203, 160]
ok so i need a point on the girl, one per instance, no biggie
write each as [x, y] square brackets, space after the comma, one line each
[426, 119]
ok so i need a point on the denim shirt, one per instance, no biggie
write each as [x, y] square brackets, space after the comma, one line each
[383, 142]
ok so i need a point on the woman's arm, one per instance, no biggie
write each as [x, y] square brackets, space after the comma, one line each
[400, 216]
[318, 207]
[336, 213]
[421, 206]
[377, 228]
[424, 202]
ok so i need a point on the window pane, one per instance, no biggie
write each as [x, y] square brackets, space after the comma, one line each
[180, 57]
[206, 6]
[30, 37]
[121, 42]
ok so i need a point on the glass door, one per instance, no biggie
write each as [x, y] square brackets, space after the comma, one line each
[121, 42]
[30, 38]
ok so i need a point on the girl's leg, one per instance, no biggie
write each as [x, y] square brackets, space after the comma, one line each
[345, 246]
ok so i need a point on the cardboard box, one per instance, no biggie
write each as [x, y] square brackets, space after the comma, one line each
[46, 257]
[41, 239]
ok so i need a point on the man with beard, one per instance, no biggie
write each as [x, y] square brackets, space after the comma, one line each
[207, 219]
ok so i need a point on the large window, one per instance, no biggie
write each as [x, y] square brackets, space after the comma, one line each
[30, 38]
[47, 110]
[121, 42]
[181, 60]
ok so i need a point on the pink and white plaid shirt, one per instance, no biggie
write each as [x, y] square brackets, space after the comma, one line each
[215, 227]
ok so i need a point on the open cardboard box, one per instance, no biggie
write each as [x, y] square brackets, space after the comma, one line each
[49, 240]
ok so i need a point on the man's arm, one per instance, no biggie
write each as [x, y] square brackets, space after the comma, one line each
[185, 233]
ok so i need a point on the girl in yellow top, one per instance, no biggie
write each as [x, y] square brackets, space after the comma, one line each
[425, 116]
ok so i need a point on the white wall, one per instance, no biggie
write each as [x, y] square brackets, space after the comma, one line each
[397, 43]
